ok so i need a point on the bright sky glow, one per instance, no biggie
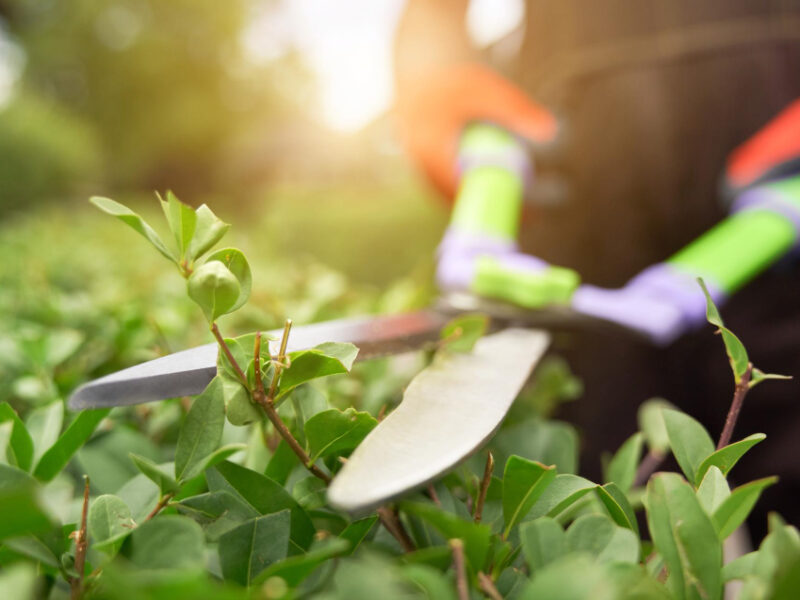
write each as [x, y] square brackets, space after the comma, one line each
[348, 46]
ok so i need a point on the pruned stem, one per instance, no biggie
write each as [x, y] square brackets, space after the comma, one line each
[739, 394]
[487, 586]
[81, 544]
[487, 479]
[228, 355]
[276, 374]
[160, 506]
[457, 547]
[393, 525]
[648, 466]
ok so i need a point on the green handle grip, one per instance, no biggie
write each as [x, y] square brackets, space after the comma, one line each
[490, 195]
[747, 242]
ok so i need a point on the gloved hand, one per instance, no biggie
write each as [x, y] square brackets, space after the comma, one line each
[479, 252]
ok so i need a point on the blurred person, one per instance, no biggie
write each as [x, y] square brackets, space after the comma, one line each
[643, 125]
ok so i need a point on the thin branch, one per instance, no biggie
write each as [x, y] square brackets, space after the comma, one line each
[487, 586]
[228, 355]
[457, 546]
[257, 362]
[434, 496]
[648, 466]
[736, 406]
[273, 386]
[393, 525]
[160, 506]
[81, 545]
[487, 479]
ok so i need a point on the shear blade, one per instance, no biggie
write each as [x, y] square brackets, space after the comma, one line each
[448, 411]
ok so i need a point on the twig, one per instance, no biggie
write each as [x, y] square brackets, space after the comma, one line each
[159, 507]
[257, 362]
[393, 525]
[487, 479]
[81, 544]
[273, 386]
[434, 496]
[457, 546]
[228, 355]
[648, 466]
[739, 394]
[487, 586]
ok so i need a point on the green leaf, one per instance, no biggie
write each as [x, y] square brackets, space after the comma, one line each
[606, 541]
[44, 425]
[476, 536]
[683, 534]
[725, 458]
[264, 496]
[336, 432]
[239, 408]
[60, 453]
[734, 509]
[295, 569]
[737, 355]
[137, 223]
[281, 464]
[237, 264]
[713, 490]
[357, 531]
[565, 490]
[201, 431]
[20, 448]
[651, 423]
[214, 288]
[757, 376]
[618, 506]
[776, 561]
[251, 547]
[156, 473]
[109, 522]
[218, 512]
[209, 230]
[330, 358]
[19, 497]
[740, 567]
[168, 542]
[543, 541]
[524, 481]
[19, 581]
[461, 333]
[310, 492]
[182, 221]
[689, 441]
[622, 468]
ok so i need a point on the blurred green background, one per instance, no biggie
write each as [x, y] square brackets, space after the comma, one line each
[124, 97]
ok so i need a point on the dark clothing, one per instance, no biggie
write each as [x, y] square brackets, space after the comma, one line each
[655, 95]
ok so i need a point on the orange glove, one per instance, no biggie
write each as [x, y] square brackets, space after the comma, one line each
[434, 109]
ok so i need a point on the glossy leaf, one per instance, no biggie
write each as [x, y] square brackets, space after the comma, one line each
[606, 541]
[201, 432]
[295, 569]
[618, 506]
[20, 448]
[725, 458]
[524, 482]
[336, 432]
[134, 221]
[713, 490]
[562, 493]
[182, 221]
[689, 441]
[330, 358]
[218, 512]
[475, 536]
[461, 333]
[543, 541]
[651, 423]
[685, 537]
[237, 264]
[75, 436]
[44, 426]
[239, 408]
[109, 521]
[168, 542]
[757, 376]
[737, 355]
[156, 473]
[735, 508]
[209, 230]
[248, 549]
[622, 467]
[264, 496]
[357, 531]
[214, 288]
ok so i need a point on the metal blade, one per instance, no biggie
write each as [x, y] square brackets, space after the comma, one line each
[448, 411]
[188, 372]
